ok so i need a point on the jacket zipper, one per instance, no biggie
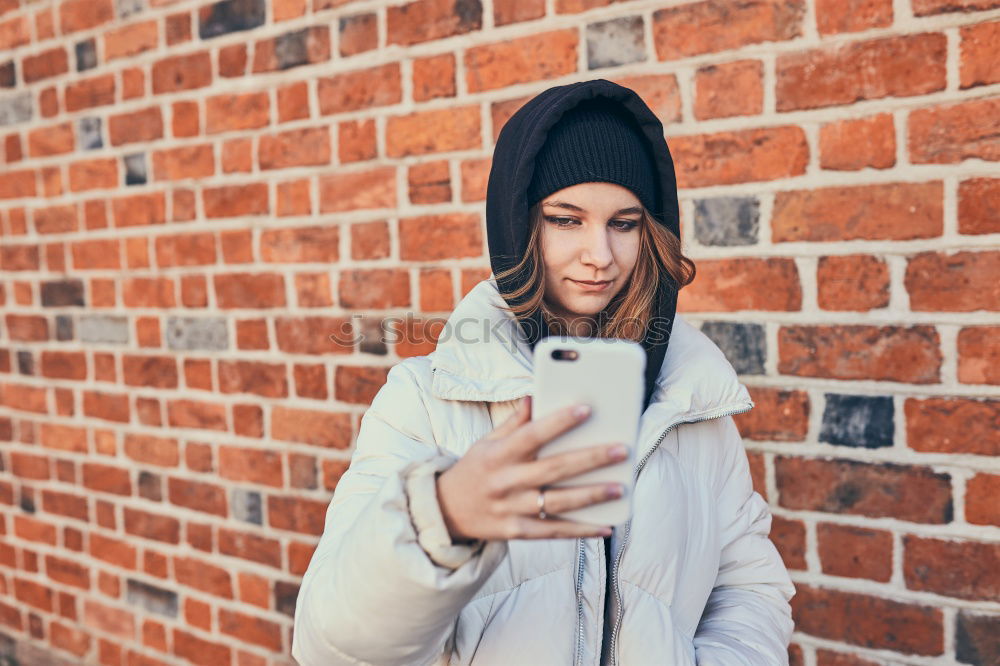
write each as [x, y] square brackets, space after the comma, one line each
[579, 602]
[628, 529]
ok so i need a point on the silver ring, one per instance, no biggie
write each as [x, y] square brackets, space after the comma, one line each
[541, 505]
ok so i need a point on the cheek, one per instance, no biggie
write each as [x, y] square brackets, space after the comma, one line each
[627, 250]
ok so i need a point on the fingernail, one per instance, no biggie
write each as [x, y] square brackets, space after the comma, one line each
[581, 410]
[618, 452]
[614, 490]
[606, 531]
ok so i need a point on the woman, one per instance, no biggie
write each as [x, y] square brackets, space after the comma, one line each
[439, 546]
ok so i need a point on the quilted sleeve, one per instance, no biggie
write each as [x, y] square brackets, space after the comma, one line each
[385, 584]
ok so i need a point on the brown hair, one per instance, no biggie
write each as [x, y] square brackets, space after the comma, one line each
[630, 311]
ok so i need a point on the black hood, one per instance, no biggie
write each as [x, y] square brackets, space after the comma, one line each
[520, 140]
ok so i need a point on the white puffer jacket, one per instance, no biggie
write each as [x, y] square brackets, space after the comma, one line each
[695, 579]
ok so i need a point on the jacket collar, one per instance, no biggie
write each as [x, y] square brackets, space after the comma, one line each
[482, 355]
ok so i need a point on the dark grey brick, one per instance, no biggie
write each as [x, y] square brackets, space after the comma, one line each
[26, 500]
[88, 132]
[153, 599]
[8, 75]
[285, 595]
[64, 327]
[86, 55]
[230, 16]
[292, 49]
[16, 109]
[111, 329]
[135, 169]
[128, 8]
[201, 333]
[616, 42]
[977, 639]
[246, 506]
[857, 420]
[727, 221]
[62, 292]
[150, 486]
[372, 335]
[25, 362]
[745, 345]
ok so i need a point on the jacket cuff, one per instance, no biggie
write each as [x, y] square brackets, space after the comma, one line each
[420, 482]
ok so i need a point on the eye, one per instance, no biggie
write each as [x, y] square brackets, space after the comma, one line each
[561, 221]
[625, 225]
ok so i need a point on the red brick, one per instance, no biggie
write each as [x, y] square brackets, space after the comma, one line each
[225, 113]
[979, 355]
[979, 206]
[377, 288]
[313, 335]
[436, 290]
[884, 353]
[475, 175]
[70, 639]
[33, 594]
[107, 406]
[178, 28]
[978, 50]
[264, 379]
[294, 198]
[196, 161]
[882, 490]
[360, 89]
[850, 145]
[434, 237]
[959, 282]
[416, 337]
[233, 60]
[516, 11]
[201, 575]
[14, 32]
[77, 15]
[858, 282]
[250, 547]
[55, 219]
[929, 7]
[197, 496]
[253, 465]
[434, 77]
[51, 140]
[318, 428]
[96, 254]
[237, 156]
[357, 140]
[136, 126]
[150, 371]
[107, 479]
[63, 437]
[538, 57]
[65, 504]
[866, 621]
[856, 552]
[185, 250]
[149, 292]
[358, 384]
[358, 190]
[316, 49]
[44, 65]
[249, 629]
[789, 537]
[299, 147]
[133, 83]
[425, 20]
[152, 450]
[835, 16]
[948, 134]
[182, 72]
[441, 130]
[139, 209]
[300, 244]
[961, 569]
[729, 89]
[288, 9]
[151, 526]
[17, 184]
[248, 290]
[743, 284]
[429, 182]
[63, 364]
[981, 492]
[740, 156]
[887, 67]
[896, 211]
[235, 200]
[67, 572]
[28, 466]
[184, 119]
[196, 414]
[958, 425]
[296, 514]
[31, 529]
[293, 102]
[708, 27]
[93, 174]
[200, 651]
[130, 39]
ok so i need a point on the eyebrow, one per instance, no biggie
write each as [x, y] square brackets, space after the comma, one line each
[573, 207]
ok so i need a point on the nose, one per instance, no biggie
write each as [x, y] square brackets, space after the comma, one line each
[596, 251]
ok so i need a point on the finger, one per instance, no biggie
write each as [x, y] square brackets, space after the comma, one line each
[528, 438]
[535, 528]
[521, 415]
[561, 500]
[551, 469]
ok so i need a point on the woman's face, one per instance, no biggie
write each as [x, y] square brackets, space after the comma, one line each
[590, 232]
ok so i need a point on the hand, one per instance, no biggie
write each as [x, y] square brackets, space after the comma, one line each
[492, 491]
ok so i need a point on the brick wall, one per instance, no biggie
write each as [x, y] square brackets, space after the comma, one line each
[194, 196]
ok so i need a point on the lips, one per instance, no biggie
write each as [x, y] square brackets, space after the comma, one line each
[592, 282]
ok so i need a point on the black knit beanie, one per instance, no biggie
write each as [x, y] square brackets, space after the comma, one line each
[595, 142]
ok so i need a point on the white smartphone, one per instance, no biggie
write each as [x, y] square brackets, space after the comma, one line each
[608, 374]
